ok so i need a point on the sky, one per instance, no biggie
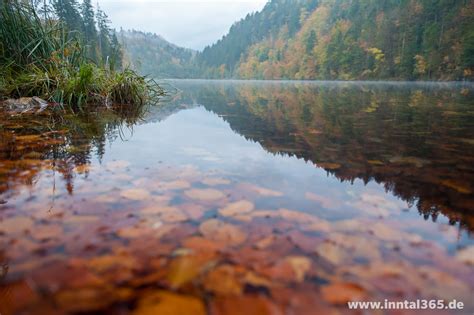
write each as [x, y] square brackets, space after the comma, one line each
[187, 23]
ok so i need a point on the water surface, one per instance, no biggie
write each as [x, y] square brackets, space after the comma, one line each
[279, 197]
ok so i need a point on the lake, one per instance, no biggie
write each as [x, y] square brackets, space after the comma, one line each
[236, 197]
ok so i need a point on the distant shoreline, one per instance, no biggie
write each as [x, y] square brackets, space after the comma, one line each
[392, 82]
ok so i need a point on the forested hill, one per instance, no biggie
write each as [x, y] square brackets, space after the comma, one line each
[152, 55]
[348, 39]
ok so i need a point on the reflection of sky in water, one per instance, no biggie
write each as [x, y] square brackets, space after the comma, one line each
[200, 138]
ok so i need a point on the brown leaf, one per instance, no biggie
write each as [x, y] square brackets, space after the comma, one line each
[90, 299]
[223, 280]
[332, 253]
[201, 244]
[301, 217]
[132, 232]
[174, 185]
[215, 181]
[384, 232]
[261, 190]
[81, 219]
[222, 232]
[16, 225]
[204, 194]
[256, 280]
[236, 208]
[341, 293]
[192, 210]
[173, 217]
[265, 242]
[167, 214]
[43, 232]
[300, 264]
[466, 255]
[159, 209]
[135, 194]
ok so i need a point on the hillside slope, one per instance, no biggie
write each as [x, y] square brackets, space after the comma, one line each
[152, 55]
[348, 39]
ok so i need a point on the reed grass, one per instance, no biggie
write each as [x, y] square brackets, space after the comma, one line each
[42, 58]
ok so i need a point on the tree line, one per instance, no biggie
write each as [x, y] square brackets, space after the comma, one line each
[91, 25]
[355, 39]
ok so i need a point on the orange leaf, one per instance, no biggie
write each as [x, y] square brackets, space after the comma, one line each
[167, 303]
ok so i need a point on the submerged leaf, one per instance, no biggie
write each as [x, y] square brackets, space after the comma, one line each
[204, 194]
[341, 293]
[167, 303]
[222, 232]
[236, 208]
[174, 185]
[223, 280]
[466, 255]
[186, 268]
[332, 253]
[215, 181]
[135, 194]
[301, 265]
[16, 225]
[261, 190]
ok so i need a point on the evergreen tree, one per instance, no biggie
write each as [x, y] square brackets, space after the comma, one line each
[116, 52]
[109, 46]
[89, 28]
[68, 12]
[104, 35]
[310, 42]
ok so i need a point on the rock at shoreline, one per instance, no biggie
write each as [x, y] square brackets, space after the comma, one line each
[26, 105]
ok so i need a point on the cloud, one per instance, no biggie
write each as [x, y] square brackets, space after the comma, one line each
[188, 23]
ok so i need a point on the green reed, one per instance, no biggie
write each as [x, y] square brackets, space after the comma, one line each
[42, 58]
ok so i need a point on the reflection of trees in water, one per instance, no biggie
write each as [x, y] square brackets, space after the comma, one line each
[30, 143]
[416, 140]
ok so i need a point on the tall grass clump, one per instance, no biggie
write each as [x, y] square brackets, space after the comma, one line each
[40, 57]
